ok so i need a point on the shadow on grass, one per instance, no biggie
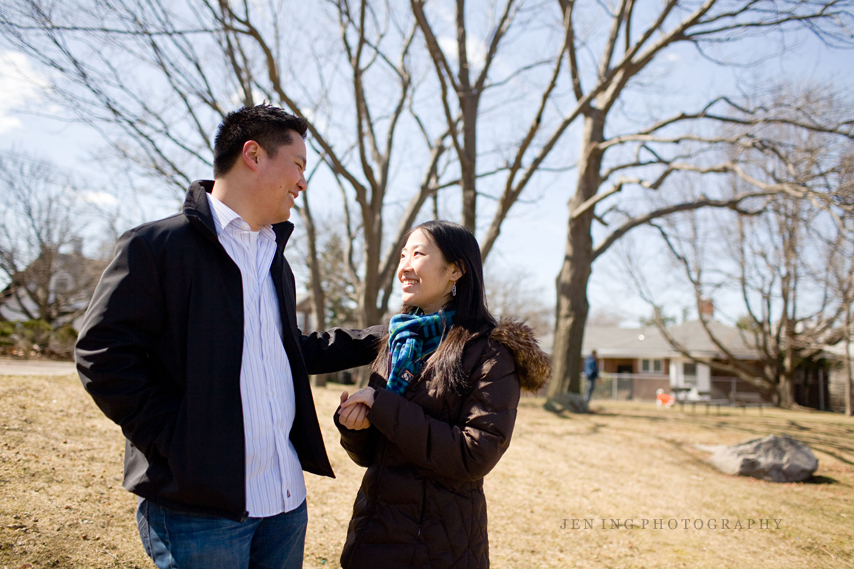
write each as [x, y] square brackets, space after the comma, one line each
[821, 480]
[798, 427]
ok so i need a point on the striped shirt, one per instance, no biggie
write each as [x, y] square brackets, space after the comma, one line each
[274, 478]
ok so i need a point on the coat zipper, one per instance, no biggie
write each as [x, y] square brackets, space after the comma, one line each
[371, 505]
[423, 504]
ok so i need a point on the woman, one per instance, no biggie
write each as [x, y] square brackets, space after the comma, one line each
[437, 414]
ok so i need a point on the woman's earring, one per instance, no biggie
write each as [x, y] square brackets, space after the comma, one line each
[454, 290]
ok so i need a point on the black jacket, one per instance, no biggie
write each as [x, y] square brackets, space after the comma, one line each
[160, 353]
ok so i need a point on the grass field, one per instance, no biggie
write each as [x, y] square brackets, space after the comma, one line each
[62, 504]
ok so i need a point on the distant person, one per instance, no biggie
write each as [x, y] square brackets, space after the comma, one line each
[191, 345]
[438, 413]
[591, 371]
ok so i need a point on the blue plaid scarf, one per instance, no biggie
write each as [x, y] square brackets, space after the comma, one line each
[411, 338]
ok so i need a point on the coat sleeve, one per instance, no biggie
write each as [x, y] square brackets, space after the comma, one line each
[467, 450]
[120, 331]
[339, 348]
[361, 445]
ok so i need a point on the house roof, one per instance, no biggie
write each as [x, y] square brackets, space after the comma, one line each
[648, 342]
[837, 351]
[82, 271]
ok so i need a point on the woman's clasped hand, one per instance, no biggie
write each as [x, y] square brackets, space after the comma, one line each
[354, 409]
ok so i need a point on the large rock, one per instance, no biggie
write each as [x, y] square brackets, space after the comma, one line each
[569, 402]
[776, 458]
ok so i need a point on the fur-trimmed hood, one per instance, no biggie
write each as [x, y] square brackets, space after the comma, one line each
[533, 366]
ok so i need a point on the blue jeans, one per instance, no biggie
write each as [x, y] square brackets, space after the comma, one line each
[177, 540]
[591, 386]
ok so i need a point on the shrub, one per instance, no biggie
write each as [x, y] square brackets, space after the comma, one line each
[62, 341]
[7, 330]
[37, 332]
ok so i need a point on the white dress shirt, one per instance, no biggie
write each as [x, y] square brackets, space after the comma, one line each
[274, 478]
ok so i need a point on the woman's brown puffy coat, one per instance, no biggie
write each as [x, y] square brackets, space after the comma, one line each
[421, 503]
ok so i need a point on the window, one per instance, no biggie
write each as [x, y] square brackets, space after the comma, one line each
[651, 366]
[689, 368]
[62, 284]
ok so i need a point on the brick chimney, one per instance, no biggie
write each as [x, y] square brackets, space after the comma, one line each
[707, 308]
[77, 246]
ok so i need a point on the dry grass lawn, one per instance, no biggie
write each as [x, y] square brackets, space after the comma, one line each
[62, 504]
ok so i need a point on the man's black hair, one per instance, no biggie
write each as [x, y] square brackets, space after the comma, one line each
[271, 127]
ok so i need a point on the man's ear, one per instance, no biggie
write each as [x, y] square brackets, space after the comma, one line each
[251, 154]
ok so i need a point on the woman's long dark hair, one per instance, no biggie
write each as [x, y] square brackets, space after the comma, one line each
[459, 247]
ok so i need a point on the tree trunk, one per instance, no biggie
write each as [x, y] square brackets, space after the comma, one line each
[572, 304]
[369, 313]
[848, 386]
[468, 160]
[786, 387]
[786, 390]
[318, 296]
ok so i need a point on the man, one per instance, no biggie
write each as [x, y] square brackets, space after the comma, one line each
[591, 370]
[191, 345]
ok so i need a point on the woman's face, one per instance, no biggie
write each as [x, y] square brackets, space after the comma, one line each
[425, 276]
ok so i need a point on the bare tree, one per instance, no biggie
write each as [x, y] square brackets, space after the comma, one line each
[156, 77]
[512, 294]
[843, 285]
[606, 318]
[603, 67]
[41, 238]
[614, 158]
[841, 271]
[164, 73]
[787, 256]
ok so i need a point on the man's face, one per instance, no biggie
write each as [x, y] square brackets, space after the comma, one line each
[282, 178]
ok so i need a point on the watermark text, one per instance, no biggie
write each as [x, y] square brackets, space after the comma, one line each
[670, 524]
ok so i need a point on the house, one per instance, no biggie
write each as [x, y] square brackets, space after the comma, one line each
[62, 283]
[305, 321]
[840, 356]
[635, 362]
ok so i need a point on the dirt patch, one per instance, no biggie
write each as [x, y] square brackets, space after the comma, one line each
[61, 499]
[62, 504]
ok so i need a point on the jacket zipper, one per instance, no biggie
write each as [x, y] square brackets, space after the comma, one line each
[371, 504]
[423, 504]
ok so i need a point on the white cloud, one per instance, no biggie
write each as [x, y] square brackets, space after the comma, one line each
[7, 123]
[475, 50]
[99, 198]
[19, 84]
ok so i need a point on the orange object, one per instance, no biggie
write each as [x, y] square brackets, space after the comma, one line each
[665, 399]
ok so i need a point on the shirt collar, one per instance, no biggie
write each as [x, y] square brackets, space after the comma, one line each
[225, 216]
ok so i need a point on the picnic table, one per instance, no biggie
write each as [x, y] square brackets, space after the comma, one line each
[747, 399]
[708, 402]
[743, 400]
